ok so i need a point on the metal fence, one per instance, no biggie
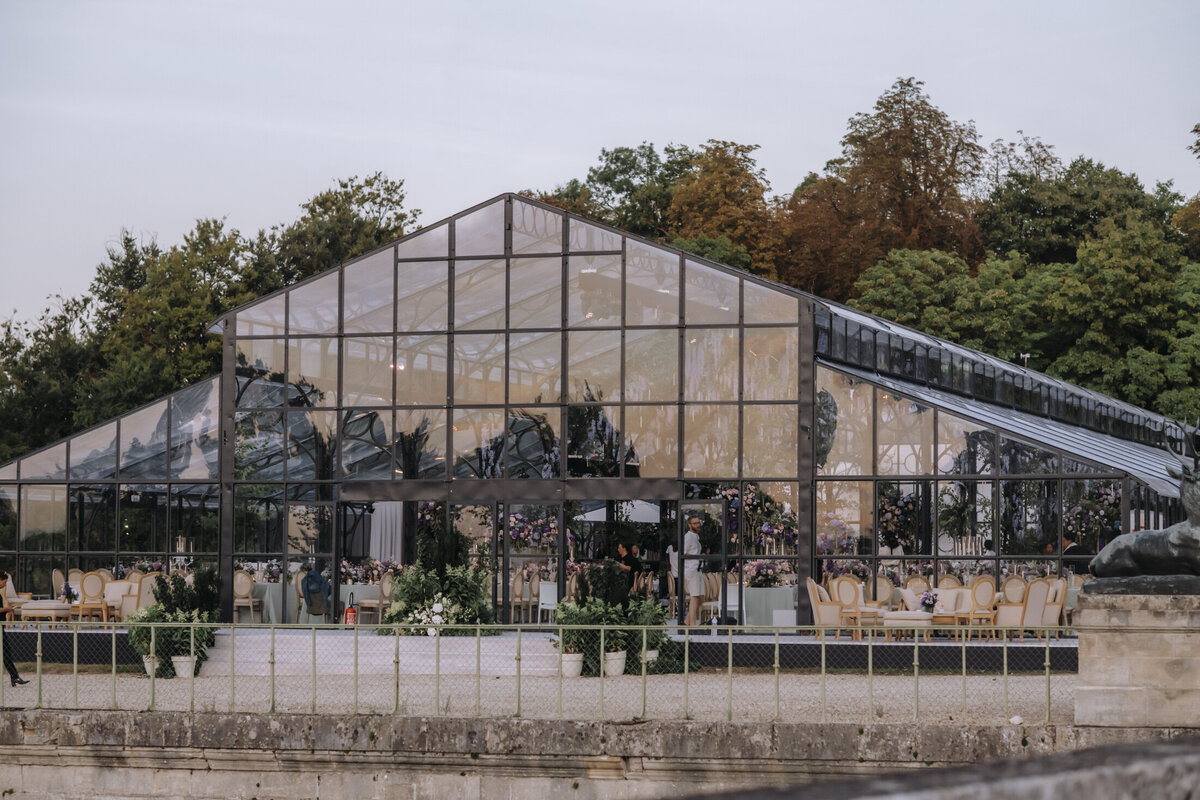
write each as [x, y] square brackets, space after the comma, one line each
[927, 675]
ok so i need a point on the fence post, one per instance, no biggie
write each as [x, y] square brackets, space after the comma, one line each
[1004, 652]
[560, 670]
[396, 672]
[232, 662]
[271, 663]
[1047, 677]
[729, 668]
[478, 669]
[822, 676]
[112, 638]
[602, 654]
[687, 640]
[192, 677]
[356, 667]
[518, 672]
[437, 671]
[870, 679]
[644, 634]
[75, 661]
[153, 659]
[964, 676]
[777, 674]
[916, 675]
[312, 703]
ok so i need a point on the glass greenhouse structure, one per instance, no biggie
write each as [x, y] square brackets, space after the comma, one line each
[551, 385]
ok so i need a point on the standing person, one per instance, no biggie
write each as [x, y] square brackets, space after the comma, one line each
[17, 680]
[629, 562]
[693, 583]
[1075, 556]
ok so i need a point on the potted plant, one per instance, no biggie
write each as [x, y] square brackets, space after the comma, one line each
[178, 625]
[573, 638]
[651, 617]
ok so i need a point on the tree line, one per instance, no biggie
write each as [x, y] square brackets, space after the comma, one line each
[1003, 247]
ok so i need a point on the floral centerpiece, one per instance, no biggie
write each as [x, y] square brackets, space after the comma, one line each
[928, 601]
[763, 574]
[150, 565]
[267, 571]
[539, 532]
[67, 595]
[367, 570]
[896, 519]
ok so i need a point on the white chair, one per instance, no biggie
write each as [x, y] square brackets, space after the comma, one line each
[1017, 617]
[376, 606]
[115, 593]
[91, 597]
[1052, 614]
[826, 611]
[547, 600]
[243, 595]
[146, 589]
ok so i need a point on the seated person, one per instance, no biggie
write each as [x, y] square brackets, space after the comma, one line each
[317, 591]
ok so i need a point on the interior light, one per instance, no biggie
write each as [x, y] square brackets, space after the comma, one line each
[588, 271]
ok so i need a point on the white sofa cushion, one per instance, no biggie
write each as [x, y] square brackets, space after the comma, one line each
[911, 601]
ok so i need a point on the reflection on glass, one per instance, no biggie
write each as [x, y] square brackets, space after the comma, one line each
[421, 365]
[712, 296]
[195, 438]
[44, 518]
[1027, 570]
[770, 510]
[313, 306]
[92, 518]
[310, 528]
[904, 431]
[479, 368]
[903, 519]
[142, 526]
[593, 442]
[1018, 458]
[964, 447]
[36, 574]
[479, 294]
[1091, 519]
[594, 366]
[480, 233]
[8, 518]
[312, 445]
[651, 442]
[1029, 518]
[534, 367]
[710, 441]
[265, 318]
[771, 441]
[367, 371]
[428, 243]
[258, 445]
[535, 293]
[94, 454]
[535, 229]
[195, 520]
[843, 432]
[588, 238]
[258, 518]
[366, 444]
[475, 522]
[593, 291]
[367, 288]
[478, 440]
[533, 449]
[144, 442]
[259, 369]
[48, 463]
[710, 365]
[651, 285]
[421, 444]
[424, 289]
[769, 368]
[845, 518]
[652, 366]
[965, 519]
[8, 472]
[312, 373]
[765, 305]
[963, 570]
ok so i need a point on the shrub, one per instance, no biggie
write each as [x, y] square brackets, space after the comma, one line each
[175, 633]
[604, 581]
[420, 599]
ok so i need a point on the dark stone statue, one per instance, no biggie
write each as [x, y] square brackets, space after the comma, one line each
[1173, 551]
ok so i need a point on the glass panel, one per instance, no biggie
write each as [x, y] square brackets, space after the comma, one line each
[8, 472]
[478, 440]
[964, 447]
[312, 373]
[424, 289]
[367, 444]
[260, 364]
[710, 365]
[144, 442]
[533, 444]
[421, 364]
[1029, 569]
[1029, 518]
[94, 454]
[903, 520]
[312, 445]
[765, 305]
[535, 293]
[44, 518]
[585, 237]
[479, 295]
[479, 368]
[258, 518]
[313, 306]
[1091, 519]
[770, 441]
[367, 289]
[35, 574]
[480, 233]
[904, 431]
[49, 463]
[843, 416]
[770, 511]
[1018, 458]
[367, 372]
[195, 519]
[835, 568]
[964, 569]
[263, 319]
[1079, 467]
[593, 291]
[195, 435]
[712, 297]
[421, 444]
[535, 229]
[844, 518]
[594, 366]
[92, 518]
[534, 367]
[142, 527]
[652, 366]
[429, 243]
[651, 285]
[965, 519]
[310, 528]
[258, 445]
[769, 367]
[593, 442]
[8, 518]
[651, 442]
[710, 439]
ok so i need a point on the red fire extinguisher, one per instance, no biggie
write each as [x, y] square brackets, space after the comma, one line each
[351, 616]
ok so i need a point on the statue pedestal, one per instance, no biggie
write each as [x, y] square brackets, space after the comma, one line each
[1139, 652]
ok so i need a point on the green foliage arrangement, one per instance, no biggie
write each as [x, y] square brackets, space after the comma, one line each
[605, 581]
[421, 599]
[179, 623]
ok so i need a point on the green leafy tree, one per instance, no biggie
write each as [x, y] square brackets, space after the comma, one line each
[633, 187]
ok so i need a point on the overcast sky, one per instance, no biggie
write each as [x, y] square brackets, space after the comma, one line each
[150, 115]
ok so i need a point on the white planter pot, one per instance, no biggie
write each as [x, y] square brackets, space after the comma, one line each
[151, 664]
[572, 665]
[184, 666]
[649, 656]
[614, 663]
